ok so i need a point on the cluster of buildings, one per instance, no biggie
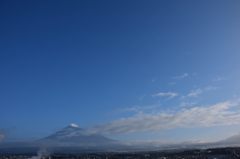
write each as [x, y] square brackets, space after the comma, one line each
[218, 153]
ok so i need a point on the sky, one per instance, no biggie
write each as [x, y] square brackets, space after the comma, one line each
[132, 70]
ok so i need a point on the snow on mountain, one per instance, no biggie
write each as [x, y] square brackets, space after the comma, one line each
[73, 125]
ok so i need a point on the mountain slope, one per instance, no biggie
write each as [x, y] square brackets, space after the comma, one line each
[73, 135]
[233, 140]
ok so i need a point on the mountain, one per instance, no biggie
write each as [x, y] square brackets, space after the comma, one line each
[73, 135]
[232, 140]
[72, 139]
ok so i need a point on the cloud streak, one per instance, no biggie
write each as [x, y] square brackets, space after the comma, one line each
[197, 92]
[166, 94]
[194, 93]
[226, 113]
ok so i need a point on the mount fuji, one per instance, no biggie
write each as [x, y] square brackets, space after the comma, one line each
[73, 135]
[72, 139]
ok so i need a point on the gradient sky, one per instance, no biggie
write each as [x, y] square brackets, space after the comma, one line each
[134, 70]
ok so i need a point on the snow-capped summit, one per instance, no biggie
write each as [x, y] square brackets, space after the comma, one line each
[73, 125]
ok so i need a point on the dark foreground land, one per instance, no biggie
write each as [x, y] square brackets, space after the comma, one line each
[216, 153]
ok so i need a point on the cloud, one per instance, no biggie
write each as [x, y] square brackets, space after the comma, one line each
[199, 91]
[166, 94]
[182, 76]
[226, 113]
[194, 93]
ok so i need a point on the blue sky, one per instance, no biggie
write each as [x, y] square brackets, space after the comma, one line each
[133, 70]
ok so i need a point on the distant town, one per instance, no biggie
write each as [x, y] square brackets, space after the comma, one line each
[215, 153]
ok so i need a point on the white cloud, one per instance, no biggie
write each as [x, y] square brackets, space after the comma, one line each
[166, 94]
[182, 76]
[199, 91]
[194, 93]
[226, 113]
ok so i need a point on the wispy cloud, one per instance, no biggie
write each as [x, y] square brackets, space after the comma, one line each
[182, 76]
[225, 113]
[194, 93]
[168, 95]
[197, 92]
